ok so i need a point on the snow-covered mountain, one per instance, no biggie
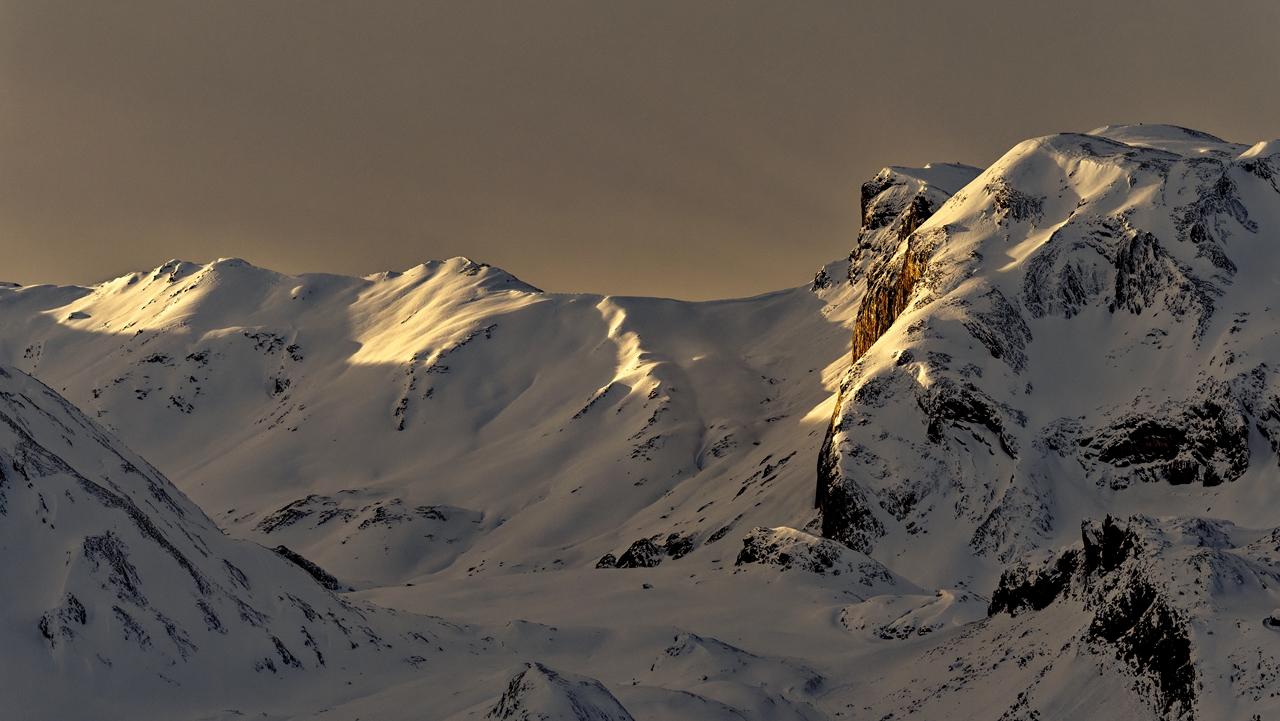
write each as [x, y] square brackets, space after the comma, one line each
[1083, 330]
[1081, 327]
[447, 419]
[1009, 448]
[122, 597]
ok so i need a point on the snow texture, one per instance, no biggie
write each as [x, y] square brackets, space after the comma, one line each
[1015, 456]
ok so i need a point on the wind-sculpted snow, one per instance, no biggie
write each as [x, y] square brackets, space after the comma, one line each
[718, 674]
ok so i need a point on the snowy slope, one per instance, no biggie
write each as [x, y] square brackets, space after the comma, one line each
[122, 597]
[435, 435]
[613, 499]
[1084, 330]
[449, 417]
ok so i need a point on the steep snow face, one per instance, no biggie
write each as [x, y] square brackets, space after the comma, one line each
[1080, 329]
[122, 597]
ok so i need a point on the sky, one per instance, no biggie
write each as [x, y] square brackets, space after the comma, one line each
[688, 149]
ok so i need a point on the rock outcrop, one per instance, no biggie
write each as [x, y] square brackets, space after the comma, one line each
[1096, 279]
[788, 549]
[1142, 587]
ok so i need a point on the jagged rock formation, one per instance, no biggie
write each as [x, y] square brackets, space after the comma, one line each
[1132, 611]
[322, 577]
[889, 257]
[1170, 614]
[1201, 439]
[887, 262]
[647, 553]
[1151, 593]
[1005, 348]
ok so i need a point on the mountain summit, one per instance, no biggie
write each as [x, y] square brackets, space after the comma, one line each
[1014, 456]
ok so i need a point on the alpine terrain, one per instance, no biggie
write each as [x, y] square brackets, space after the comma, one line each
[1016, 456]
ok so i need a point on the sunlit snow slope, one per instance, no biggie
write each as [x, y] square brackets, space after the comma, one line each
[1016, 454]
[1085, 329]
[450, 417]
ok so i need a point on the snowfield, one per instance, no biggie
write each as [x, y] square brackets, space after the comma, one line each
[1016, 456]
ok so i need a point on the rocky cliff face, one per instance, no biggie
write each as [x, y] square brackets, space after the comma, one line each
[1072, 324]
[885, 265]
[1124, 576]
[890, 257]
[1155, 617]
[1082, 331]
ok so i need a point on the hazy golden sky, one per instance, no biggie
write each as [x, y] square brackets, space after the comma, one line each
[692, 149]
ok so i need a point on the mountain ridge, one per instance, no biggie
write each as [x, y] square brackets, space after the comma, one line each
[1033, 399]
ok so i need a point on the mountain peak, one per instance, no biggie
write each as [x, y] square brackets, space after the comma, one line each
[1080, 334]
[488, 276]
